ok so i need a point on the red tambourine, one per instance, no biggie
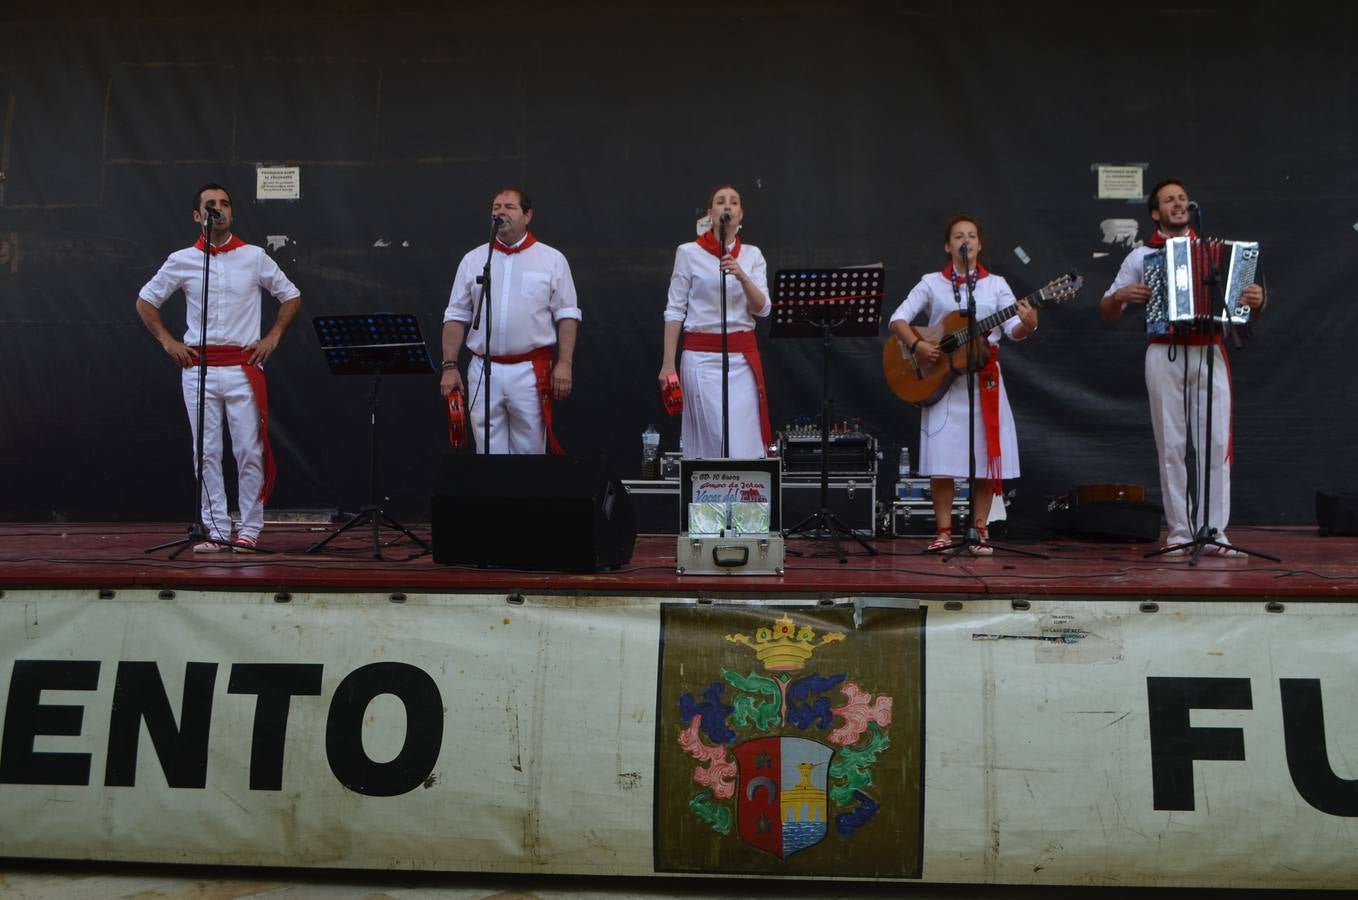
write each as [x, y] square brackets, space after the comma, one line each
[457, 419]
[672, 395]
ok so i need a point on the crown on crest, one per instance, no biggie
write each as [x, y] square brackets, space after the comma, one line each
[784, 646]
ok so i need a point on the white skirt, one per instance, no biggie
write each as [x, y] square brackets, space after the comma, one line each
[700, 431]
[943, 436]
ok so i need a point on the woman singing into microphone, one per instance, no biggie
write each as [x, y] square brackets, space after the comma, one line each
[943, 427]
[695, 309]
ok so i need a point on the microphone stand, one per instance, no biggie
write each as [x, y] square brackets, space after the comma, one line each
[484, 303]
[973, 536]
[1206, 535]
[725, 356]
[197, 529]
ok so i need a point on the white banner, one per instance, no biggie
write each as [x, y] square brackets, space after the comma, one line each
[1077, 742]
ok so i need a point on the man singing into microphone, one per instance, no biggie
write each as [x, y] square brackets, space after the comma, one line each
[234, 385]
[1176, 380]
[532, 308]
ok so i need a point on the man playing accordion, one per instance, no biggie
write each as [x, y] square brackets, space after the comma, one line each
[1177, 383]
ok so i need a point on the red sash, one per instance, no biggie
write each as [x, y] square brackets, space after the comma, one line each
[988, 378]
[541, 358]
[233, 355]
[742, 342]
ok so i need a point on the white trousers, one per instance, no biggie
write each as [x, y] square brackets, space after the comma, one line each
[228, 395]
[700, 432]
[516, 424]
[1178, 398]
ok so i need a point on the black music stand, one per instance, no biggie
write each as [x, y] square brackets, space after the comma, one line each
[376, 344]
[1218, 320]
[827, 303]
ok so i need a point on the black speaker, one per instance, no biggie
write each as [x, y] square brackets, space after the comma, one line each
[549, 513]
[1027, 520]
[1336, 513]
[1110, 520]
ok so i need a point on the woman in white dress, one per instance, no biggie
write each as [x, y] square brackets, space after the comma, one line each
[694, 308]
[943, 426]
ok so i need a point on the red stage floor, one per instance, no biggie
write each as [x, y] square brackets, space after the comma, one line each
[111, 556]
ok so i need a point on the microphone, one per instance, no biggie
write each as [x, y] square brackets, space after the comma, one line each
[966, 250]
[726, 216]
[213, 213]
[498, 220]
[1193, 206]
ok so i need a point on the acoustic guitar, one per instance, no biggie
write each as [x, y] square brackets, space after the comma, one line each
[924, 384]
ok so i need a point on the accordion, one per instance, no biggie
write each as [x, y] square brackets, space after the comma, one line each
[1181, 298]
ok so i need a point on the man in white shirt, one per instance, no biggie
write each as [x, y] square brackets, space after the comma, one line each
[234, 387]
[1176, 382]
[532, 309]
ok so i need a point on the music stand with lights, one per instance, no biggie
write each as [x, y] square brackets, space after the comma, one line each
[827, 303]
[375, 344]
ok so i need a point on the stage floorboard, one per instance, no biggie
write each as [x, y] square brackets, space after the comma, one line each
[94, 555]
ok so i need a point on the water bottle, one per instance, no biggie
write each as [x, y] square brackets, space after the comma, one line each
[903, 471]
[650, 453]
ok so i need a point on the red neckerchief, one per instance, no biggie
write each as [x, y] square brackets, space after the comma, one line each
[708, 241]
[1158, 239]
[528, 241]
[952, 276]
[232, 243]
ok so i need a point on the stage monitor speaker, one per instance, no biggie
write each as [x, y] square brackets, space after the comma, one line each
[545, 513]
[1336, 513]
[1027, 520]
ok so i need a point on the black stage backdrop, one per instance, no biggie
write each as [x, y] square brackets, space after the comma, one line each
[852, 129]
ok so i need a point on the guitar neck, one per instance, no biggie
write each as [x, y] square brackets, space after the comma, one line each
[1004, 315]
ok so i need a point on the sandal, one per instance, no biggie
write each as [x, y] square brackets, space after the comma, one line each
[983, 548]
[943, 540]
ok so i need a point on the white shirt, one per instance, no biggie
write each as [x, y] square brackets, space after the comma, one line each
[695, 290]
[1132, 270]
[234, 282]
[530, 291]
[933, 297]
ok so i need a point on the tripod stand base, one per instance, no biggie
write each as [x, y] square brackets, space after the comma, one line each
[198, 535]
[1205, 541]
[377, 518]
[826, 521]
[973, 539]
